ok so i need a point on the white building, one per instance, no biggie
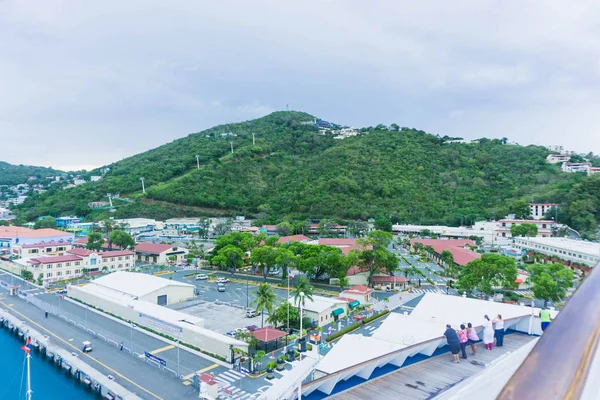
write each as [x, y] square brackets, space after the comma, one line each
[95, 178]
[545, 228]
[576, 167]
[148, 288]
[558, 158]
[538, 210]
[154, 253]
[568, 249]
[487, 230]
[12, 235]
[322, 310]
[135, 226]
[4, 213]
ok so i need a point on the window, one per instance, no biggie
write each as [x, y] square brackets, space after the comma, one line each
[67, 264]
[112, 259]
[68, 273]
[76, 262]
[58, 273]
[127, 258]
[127, 265]
[49, 275]
[504, 224]
[58, 265]
[33, 251]
[49, 266]
[120, 258]
[544, 226]
[61, 249]
[120, 265]
[77, 271]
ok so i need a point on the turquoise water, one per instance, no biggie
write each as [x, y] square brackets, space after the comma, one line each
[47, 381]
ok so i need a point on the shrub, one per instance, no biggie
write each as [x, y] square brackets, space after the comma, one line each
[343, 332]
[375, 316]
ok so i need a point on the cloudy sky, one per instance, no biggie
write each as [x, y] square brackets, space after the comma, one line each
[86, 83]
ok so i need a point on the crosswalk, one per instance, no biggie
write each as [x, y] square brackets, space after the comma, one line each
[522, 292]
[425, 289]
[226, 380]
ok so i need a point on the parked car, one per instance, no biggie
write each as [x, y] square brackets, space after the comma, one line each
[201, 277]
[220, 287]
[252, 328]
[230, 333]
[251, 313]
[223, 280]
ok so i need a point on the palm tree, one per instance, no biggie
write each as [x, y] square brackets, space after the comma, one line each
[265, 299]
[302, 285]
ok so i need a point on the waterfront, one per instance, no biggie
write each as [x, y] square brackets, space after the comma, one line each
[47, 381]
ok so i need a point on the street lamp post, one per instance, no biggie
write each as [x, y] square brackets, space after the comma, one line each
[247, 294]
[301, 309]
[178, 341]
[288, 302]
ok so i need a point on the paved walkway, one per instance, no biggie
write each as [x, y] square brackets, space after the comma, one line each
[428, 378]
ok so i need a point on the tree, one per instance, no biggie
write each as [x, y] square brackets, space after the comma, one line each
[377, 239]
[300, 227]
[40, 279]
[222, 228]
[104, 269]
[383, 224]
[265, 257]
[45, 222]
[4, 222]
[425, 233]
[358, 228]
[488, 272]
[27, 275]
[524, 229]
[550, 281]
[302, 286]
[280, 315]
[447, 258]
[520, 208]
[316, 259]
[285, 259]
[377, 261]
[121, 239]
[265, 298]
[94, 241]
[229, 257]
[285, 228]
[203, 225]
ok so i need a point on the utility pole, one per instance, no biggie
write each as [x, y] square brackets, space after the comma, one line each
[143, 187]
[198, 161]
[231, 143]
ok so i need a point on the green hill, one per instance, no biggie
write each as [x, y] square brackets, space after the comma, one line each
[15, 174]
[294, 171]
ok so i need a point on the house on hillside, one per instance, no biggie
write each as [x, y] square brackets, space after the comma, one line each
[159, 253]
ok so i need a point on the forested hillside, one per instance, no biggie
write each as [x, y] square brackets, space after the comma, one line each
[16, 174]
[294, 171]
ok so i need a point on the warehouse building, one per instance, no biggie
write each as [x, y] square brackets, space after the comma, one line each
[155, 253]
[567, 249]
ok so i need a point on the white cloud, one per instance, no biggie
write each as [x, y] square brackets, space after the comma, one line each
[82, 77]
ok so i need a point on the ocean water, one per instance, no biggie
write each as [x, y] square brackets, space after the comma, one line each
[47, 381]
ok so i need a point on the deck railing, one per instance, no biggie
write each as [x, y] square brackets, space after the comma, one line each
[558, 367]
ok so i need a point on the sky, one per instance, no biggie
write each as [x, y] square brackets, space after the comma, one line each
[87, 83]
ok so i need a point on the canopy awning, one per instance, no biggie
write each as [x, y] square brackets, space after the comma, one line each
[354, 304]
[337, 312]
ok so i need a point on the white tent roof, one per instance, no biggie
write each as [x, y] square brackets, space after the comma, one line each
[406, 330]
[136, 284]
[354, 349]
[456, 310]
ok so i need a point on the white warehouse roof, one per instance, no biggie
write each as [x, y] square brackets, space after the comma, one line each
[318, 304]
[578, 246]
[137, 284]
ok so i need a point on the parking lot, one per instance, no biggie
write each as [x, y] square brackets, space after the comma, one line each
[220, 317]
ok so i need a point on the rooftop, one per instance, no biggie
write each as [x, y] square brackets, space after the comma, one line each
[318, 304]
[55, 259]
[117, 253]
[41, 245]
[136, 284]
[81, 252]
[564, 244]
[268, 334]
[155, 248]
[461, 255]
[358, 289]
[294, 238]
[18, 231]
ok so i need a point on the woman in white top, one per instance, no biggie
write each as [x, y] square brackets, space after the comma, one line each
[499, 330]
[488, 333]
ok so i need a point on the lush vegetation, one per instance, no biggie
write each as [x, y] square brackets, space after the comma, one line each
[487, 272]
[550, 281]
[16, 174]
[294, 172]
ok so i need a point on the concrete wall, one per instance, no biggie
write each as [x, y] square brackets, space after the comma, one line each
[175, 294]
[202, 338]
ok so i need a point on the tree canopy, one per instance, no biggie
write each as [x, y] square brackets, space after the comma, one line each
[121, 239]
[524, 229]
[488, 272]
[550, 281]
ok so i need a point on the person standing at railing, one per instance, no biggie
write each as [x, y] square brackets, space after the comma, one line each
[453, 343]
[463, 339]
[499, 330]
[545, 318]
[488, 333]
[473, 338]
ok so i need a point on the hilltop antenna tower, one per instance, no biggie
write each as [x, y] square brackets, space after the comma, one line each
[143, 187]
[109, 199]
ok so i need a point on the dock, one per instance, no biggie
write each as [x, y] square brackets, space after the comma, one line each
[431, 377]
[69, 361]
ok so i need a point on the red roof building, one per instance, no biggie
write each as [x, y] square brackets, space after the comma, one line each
[268, 334]
[55, 259]
[155, 253]
[294, 238]
[461, 255]
[346, 245]
[78, 251]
